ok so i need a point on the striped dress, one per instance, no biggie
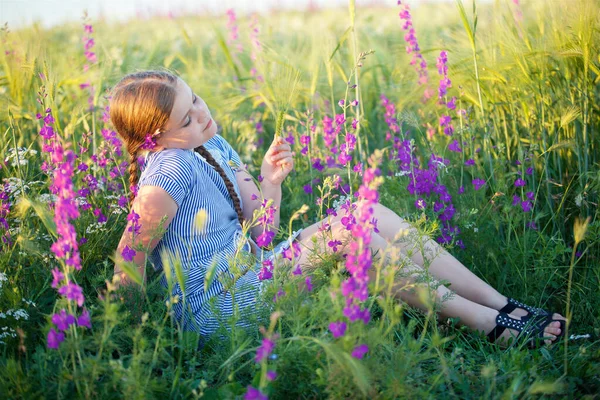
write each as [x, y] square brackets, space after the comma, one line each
[194, 185]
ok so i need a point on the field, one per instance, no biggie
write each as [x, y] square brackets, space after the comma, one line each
[484, 125]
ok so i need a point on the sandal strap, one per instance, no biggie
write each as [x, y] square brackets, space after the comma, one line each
[530, 330]
[517, 304]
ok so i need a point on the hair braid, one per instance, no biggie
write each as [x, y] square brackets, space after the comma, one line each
[230, 188]
[133, 176]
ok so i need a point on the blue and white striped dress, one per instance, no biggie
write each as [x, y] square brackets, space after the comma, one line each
[194, 185]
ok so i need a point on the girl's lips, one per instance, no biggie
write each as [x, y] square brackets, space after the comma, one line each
[209, 124]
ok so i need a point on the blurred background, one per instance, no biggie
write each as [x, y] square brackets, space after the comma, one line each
[53, 12]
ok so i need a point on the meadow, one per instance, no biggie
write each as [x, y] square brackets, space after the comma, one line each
[481, 120]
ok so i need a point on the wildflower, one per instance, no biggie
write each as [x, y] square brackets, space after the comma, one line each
[454, 146]
[54, 338]
[72, 291]
[84, 319]
[360, 350]
[530, 195]
[526, 206]
[271, 375]
[63, 320]
[308, 189]
[280, 293]
[341, 103]
[412, 47]
[461, 190]
[338, 329]
[420, 204]
[128, 253]
[266, 271]
[529, 171]
[149, 142]
[519, 182]
[478, 183]
[254, 394]
[470, 162]
[516, 200]
[308, 282]
[264, 350]
[354, 103]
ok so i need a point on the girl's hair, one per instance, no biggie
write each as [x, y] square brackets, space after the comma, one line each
[141, 104]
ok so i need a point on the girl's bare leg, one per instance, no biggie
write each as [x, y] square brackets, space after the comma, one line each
[472, 314]
[442, 264]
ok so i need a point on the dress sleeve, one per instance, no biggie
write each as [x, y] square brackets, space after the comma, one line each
[232, 156]
[172, 173]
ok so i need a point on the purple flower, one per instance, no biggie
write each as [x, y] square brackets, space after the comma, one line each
[360, 350]
[461, 190]
[338, 329]
[254, 394]
[341, 103]
[265, 238]
[529, 171]
[308, 189]
[264, 350]
[519, 182]
[58, 277]
[454, 146]
[84, 319]
[478, 183]
[526, 206]
[420, 204]
[516, 200]
[271, 375]
[128, 253]
[308, 282]
[530, 195]
[280, 293]
[54, 339]
[445, 120]
[72, 291]
[470, 162]
[63, 320]
[354, 103]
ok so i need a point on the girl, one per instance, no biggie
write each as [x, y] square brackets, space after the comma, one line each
[187, 168]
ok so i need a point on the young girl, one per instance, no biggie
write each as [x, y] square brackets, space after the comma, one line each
[188, 168]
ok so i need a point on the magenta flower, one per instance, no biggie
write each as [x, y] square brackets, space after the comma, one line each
[530, 195]
[84, 319]
[254, 394]
[63, 320]
[128, 253]
[54, 339]
[478, 183]
[58, 277]
[519, 182]
[338, 329]
[265, 238]
[271, 375]
[526, 206]
[72, 291]
[360, 350]
[470, 162]
[264, 350]
[454, 146]
[149, 142]
[309, 285]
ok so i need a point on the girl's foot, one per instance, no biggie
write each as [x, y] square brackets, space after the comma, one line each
[518, 309]
[501, 327]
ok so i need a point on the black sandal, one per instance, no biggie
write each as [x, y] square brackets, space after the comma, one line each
[530, 331]
[531, 311]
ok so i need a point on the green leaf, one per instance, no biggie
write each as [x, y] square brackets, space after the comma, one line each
[341, 42]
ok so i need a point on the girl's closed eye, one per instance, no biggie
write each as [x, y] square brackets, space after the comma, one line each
[190, 118]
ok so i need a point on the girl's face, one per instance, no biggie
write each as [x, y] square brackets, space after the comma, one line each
[190, 123]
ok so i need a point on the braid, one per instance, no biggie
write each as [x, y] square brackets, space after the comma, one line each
[133, 175]
[230, 188]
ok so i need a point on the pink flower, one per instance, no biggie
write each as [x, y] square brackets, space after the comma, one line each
[58, 277]
[309, 285]
[72, 291]
[271, 375]
[265, 238]
[264, 350]
[254, 394]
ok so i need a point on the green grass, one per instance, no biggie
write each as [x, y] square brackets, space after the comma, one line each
[529, 87]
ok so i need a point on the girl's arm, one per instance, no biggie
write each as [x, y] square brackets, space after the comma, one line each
[153, 205]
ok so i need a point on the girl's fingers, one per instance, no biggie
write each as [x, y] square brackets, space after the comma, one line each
[281, 155]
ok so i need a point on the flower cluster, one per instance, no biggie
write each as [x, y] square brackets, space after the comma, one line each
[445, 83]
[266, 219]
[412, 47]
[233, 30]
[4, 211]
[66, 247]
[88, 44]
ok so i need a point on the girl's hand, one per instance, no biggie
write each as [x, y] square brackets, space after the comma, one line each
[278, 162]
